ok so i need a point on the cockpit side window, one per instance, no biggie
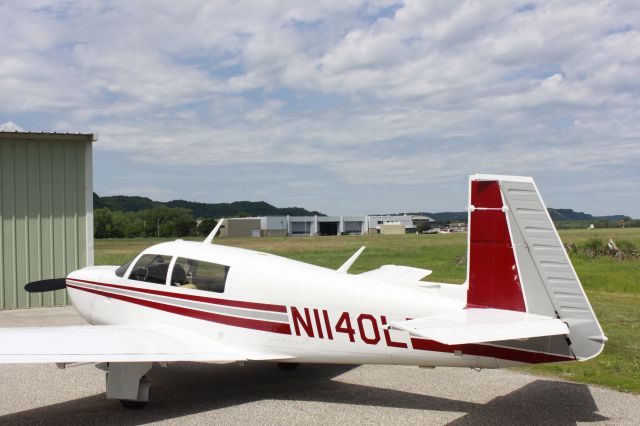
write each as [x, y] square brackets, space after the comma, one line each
[151, 268]
[199, 275]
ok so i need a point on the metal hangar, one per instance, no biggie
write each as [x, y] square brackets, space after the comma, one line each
[46, 212]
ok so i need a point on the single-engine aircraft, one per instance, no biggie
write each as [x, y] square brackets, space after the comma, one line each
[522, 303]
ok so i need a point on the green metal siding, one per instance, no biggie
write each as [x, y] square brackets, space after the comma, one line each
[43, 214]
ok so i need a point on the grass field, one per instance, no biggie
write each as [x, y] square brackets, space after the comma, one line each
[613, 286]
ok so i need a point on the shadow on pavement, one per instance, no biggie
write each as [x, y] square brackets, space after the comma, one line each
[190, 388]
[540, 402]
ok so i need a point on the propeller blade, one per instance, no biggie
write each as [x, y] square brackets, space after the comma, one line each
[45, 285]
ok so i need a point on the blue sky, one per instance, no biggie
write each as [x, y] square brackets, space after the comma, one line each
[340, 106]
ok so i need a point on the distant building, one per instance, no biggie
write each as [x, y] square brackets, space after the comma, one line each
[280, 226]
[274, 226]
[375, 223]
[393, 228]
[302, 225]
[354, 225]
[240, 227]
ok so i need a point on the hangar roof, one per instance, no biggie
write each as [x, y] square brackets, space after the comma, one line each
[52, 136]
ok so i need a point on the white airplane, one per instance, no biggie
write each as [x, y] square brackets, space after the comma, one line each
[522, 303]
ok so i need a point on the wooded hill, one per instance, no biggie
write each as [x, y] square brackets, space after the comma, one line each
[133, 216]
[556, 215]
[569, 214]
[127, 203]
[200, 210]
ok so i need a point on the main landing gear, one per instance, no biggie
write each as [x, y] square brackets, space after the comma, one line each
[133, 405]
[288, 366]
[126, 381]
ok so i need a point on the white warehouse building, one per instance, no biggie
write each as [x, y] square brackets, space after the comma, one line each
[281, 226]
[327, 225]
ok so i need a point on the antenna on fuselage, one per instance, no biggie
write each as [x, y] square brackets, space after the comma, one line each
[210, 237]
[346, 265]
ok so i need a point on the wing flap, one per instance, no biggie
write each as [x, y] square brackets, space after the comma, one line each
[114, 343]
[482, 325]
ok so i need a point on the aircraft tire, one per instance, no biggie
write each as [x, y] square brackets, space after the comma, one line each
[288, 366]
[133, 405]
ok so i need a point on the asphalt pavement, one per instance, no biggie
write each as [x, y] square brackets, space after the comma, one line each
[260, 393]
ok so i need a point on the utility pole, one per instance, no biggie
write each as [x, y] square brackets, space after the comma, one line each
[158, 227]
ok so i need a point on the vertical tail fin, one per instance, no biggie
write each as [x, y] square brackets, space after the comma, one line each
[517, 261]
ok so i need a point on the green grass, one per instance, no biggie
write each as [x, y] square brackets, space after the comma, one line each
[618, 366]
[581, 235]
[444, 254]
[613, 286]
[608, 275]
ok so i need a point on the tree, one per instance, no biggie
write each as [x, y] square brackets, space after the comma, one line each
[102, 223]
[168, 222]
[206, 225]
[158, 221]
[119, 223]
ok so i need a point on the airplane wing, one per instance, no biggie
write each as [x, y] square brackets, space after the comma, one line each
[115, 343]
[397, 273]
[482, 325]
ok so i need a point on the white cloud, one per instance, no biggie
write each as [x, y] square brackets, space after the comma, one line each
[10, 126]
[370, 91]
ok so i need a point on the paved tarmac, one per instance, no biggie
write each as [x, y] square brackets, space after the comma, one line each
[260, 393]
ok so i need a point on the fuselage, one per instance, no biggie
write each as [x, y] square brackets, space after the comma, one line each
[270, 304]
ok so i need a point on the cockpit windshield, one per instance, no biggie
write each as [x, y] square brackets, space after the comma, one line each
[123, 269]
[151, 268]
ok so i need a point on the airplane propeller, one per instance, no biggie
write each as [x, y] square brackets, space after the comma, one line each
[45, 285]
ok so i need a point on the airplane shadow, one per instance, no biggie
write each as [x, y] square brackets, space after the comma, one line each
[542, 402]
[191, 388]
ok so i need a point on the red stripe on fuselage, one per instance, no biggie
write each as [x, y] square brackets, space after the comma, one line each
[283, 328]
[273, 327]
[213, 300]
[489, 351]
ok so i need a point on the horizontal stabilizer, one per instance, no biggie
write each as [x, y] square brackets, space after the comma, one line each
[114, 343]
[482, 325]
[397, 273]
